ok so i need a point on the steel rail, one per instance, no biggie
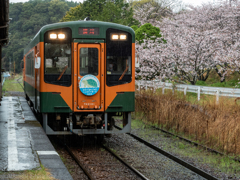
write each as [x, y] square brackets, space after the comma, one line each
[79, 163]
[125, 163]
[111, 152]
[188, 141]
[194, 143]
[174, 158]
[20, 83]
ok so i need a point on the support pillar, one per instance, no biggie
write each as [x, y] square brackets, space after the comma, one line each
[0, 73]
[45, 122]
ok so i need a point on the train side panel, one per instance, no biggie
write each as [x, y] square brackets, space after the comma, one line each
[31, 76]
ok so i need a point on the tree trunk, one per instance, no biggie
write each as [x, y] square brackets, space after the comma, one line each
[202, 77]
[222, 78]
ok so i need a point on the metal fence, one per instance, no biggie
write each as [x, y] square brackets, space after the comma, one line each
[5, 75]
[217, 91]
[3, 81]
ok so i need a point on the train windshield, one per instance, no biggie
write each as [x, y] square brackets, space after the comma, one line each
[58, 63]
[57, 56]
[119, 57]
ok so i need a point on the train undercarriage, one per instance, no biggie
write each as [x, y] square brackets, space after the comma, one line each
[84, 123]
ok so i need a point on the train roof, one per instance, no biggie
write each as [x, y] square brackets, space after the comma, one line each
[74, 25]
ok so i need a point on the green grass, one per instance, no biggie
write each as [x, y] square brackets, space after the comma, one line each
[214, 80]
[228, 84]
[113, 150]
[36, 174]
[41, 173]
[11, 84]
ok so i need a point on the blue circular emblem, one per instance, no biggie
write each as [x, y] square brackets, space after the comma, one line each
[89, 85]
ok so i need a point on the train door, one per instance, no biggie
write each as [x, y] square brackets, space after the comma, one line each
[89, 77]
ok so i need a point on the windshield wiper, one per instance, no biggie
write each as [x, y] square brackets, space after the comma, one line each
[124, 71]
[63, 71]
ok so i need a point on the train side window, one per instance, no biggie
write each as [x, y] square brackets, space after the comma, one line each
[30, 64]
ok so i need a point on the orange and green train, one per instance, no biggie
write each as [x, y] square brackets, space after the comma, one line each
[79, 75]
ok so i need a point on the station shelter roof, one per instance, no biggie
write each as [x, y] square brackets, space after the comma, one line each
[4, 21]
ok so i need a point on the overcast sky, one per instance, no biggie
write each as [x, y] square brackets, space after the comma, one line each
[192, 2]
[198, 2]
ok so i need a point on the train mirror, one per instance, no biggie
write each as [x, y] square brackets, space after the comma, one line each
[37, 62]
[22, 64]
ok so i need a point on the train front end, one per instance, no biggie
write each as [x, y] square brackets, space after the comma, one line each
[86, 77]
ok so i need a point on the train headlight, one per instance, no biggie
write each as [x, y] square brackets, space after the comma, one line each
[61, 36]
[53, 36]
[118, 37]
[123, 36]
[114, 37]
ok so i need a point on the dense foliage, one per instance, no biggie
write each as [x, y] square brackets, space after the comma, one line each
[117, 11]
[146, 31]
[27, 19]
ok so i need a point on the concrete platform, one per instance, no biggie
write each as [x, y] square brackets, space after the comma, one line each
[23, 143]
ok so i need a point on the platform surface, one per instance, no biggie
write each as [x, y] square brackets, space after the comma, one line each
[23, 143]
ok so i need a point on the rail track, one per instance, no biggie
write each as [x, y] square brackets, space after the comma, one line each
[172, 157]
[125, 163]
[81, 165]
[88, 167]
[194, 143]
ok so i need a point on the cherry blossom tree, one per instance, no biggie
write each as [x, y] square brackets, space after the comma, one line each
[198, 40]
[152, 11]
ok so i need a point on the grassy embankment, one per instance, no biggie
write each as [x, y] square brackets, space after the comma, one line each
[214, 81]
[13, 84]
[214, 125]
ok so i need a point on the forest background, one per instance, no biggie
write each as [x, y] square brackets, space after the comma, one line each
[28, 18]
[173, 42]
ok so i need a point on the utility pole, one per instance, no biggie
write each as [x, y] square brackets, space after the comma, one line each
[14, 68]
